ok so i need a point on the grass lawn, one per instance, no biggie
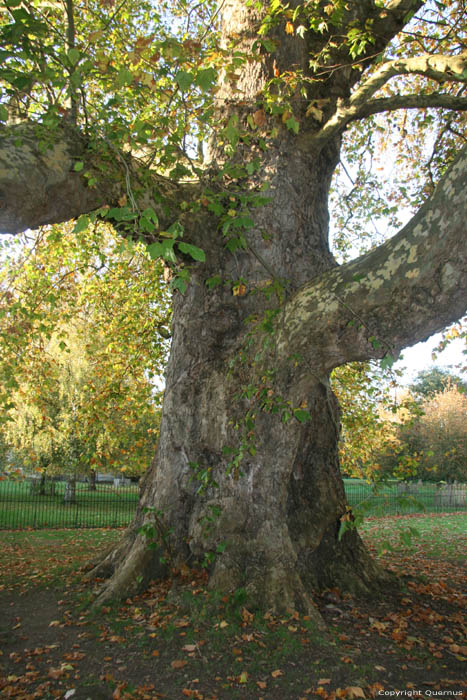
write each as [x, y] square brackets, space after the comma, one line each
[199, 645]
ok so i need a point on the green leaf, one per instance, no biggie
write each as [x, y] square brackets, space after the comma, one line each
[213, 282]
[205, 78]
[78, 166]
[387, 361]
[195, 252]
[73, 56]
[3, 113]
[150, 214]
[155, 250]
[124, 77]
[146, 224]
[176, 229]
[81, 224]
[121, 214]
[180, 284]
[292, 124]
[301, 415]
[231, 133]
[168, 251]
[184, 79]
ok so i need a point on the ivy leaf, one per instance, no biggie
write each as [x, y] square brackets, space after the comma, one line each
[301, 415]
[81, 224]
[387, 361]
[155, 250]
[292, 124]
[213, 282]
[195, 252]
[78, 166]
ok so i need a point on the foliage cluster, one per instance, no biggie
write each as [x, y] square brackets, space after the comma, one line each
[83, 326]
[419, 433]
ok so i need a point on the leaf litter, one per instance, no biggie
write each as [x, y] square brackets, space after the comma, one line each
[150, 647]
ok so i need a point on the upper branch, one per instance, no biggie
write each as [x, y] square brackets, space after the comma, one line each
[433, 100]
[436, 67]
[397, 295]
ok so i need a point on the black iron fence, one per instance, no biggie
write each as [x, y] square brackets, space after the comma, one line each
[28, 503]
[399, 498]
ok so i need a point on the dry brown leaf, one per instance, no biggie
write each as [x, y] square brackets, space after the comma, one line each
[178, 663]
[259, 117]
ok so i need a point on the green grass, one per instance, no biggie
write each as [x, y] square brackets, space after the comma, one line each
[22, 507]
[44, 557]
[433, 536]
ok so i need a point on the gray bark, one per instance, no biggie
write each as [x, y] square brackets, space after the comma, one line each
[37, 182]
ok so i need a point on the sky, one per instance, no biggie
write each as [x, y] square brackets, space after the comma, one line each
[418, 357]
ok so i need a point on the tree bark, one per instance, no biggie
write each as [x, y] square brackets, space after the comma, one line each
[92, 480]
[70, 491]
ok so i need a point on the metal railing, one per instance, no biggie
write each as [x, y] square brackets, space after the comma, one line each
[28, 504]
[399, 498]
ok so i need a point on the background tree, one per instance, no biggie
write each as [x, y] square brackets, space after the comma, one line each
[429, 442]
[80, 383]
[110, 117]
[366, 397]
[435, 380]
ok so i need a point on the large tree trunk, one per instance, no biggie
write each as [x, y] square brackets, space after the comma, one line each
[280, 505]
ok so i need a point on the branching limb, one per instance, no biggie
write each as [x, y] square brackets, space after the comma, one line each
[397, 295]
[434, 100]
[436, 67]
[39, 184]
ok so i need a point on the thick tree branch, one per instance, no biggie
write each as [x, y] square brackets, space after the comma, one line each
[39, 185]
[397, 295]
[437, 67]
